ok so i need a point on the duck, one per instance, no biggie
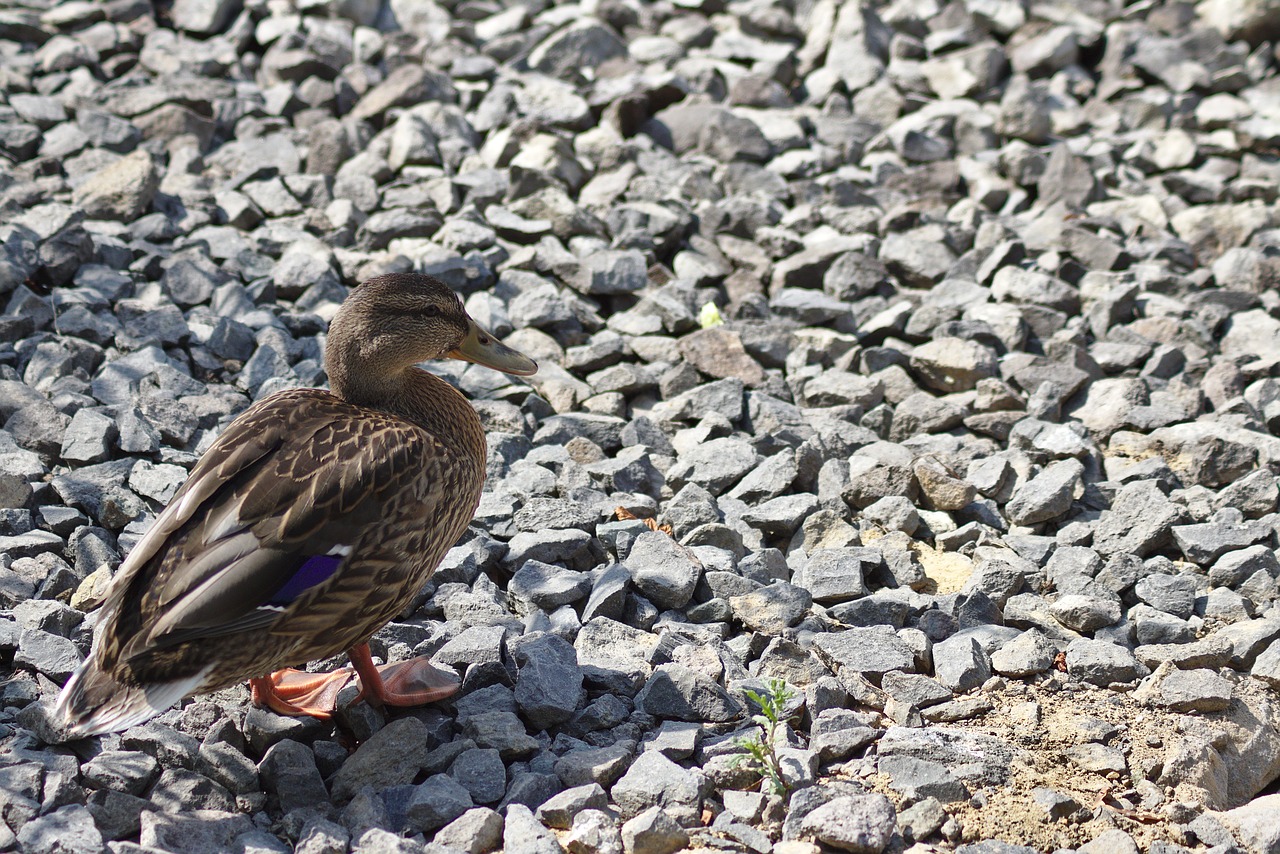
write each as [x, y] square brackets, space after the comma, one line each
[312, 521]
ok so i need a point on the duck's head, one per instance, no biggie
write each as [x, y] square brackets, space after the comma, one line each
[394, 321]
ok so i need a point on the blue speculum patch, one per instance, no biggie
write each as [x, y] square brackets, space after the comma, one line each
[315, 570]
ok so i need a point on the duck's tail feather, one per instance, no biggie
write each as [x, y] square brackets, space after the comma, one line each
[93, 702]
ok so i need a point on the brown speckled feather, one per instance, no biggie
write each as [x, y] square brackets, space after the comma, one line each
[294, 475]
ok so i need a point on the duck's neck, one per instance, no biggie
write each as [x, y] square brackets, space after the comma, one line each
[416, 396]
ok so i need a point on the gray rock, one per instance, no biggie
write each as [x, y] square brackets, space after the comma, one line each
[863, 824]
[1235, 566]
[476, 831]
[837, 734]
[482, 773]
[1173, 594]
[222, 763]
[584, 44]
[1254, 824]
[678, 693]
[204, 17]
[893, 512]
[560, 809]
[599, 765]
[546, 586]
[653, 832]
[69, 829]
[320, 835]
[524, 834]
[1026, 655]
[654, 780]
[922, 819]
[595, 830]
[122, 191]
[836, 575]
[1140, 521]
[1194, 691]
[436, 802]
[1100, 662]
[54, 656]
[88, 438]
[953, 364]
[392, 757]
[548, 679]
[179, 790]
[503, 731]
[1204, 543]
[530, 788]
[920, 778]
[289, 772]
[715, 465]
[662, 570]
[128, 771]
[772, 609]
[870, 651]
[1047, 495]
[961, 663]
[1085, 613]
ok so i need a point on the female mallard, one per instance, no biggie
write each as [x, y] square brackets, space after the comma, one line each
[312, 521]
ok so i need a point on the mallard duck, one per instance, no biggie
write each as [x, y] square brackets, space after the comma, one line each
[311, 522]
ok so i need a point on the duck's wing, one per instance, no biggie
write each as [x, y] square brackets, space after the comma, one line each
[266, 519]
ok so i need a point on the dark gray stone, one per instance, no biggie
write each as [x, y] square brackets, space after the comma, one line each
[678, 693]
[548, 679]
[436, 802]
[288, 771]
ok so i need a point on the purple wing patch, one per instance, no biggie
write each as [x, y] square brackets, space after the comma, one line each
[315, 570]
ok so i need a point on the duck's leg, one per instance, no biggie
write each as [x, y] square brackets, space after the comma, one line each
[296, 692]
[405, 683]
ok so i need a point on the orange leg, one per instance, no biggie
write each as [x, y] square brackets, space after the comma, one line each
[404, 683]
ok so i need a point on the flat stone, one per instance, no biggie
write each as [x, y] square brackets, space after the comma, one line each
[475, 831]
[436, 802]
[560, 809]
[870, 651]
[862, 824]
[835, 575]
[653, 832]
[391, 757]
[1097, 757]
[67, 830]
[772, 609]
[680, 693]
[1100, 662]
[1194, 691]
[1082, 613]
[654, 780]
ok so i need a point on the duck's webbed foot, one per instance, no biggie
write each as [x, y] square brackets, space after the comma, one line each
[296, 692]
[415, 682]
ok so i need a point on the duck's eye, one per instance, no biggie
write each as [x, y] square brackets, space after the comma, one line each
[432, 311]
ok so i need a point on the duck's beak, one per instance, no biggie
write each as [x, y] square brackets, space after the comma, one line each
[483, 349]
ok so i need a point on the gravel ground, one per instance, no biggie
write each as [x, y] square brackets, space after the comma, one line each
[943, 338]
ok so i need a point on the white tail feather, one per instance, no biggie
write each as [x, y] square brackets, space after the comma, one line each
[93, 703]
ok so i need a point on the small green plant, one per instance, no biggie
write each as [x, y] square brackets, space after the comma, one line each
[759, 753]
